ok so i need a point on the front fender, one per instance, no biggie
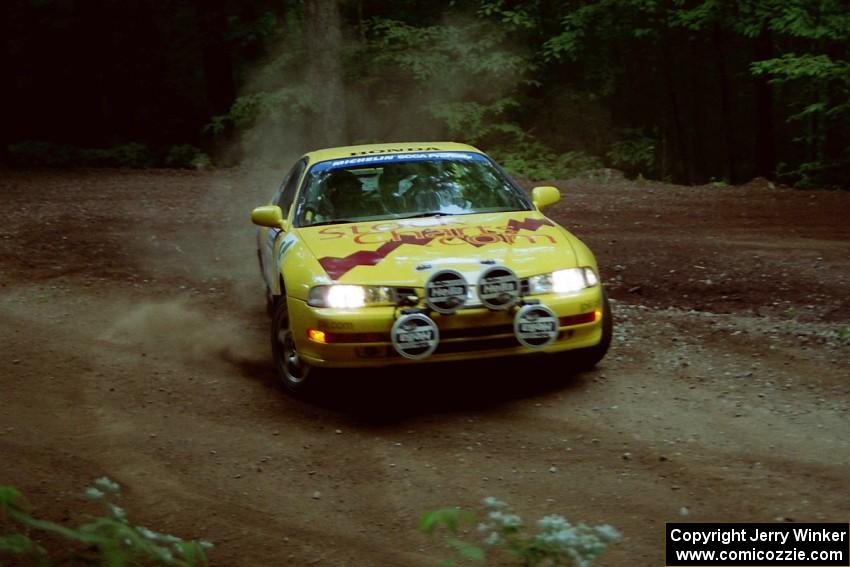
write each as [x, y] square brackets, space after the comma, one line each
[298, 268]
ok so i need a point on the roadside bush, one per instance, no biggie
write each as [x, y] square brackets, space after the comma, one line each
[634, 153]
[108, 541]
[37, 154]
[130, 155]
[537, 161]
[187, 156]
[133, 155]
[556, 541]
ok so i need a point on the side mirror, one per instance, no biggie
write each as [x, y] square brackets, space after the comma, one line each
[270, 216]
[542, 197]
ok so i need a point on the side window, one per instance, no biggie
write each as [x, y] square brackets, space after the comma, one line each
[290, 184]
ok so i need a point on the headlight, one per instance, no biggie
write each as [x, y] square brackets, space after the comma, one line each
[349, 296]
[570, 280]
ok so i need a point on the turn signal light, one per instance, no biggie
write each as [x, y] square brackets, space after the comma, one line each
[316, 336]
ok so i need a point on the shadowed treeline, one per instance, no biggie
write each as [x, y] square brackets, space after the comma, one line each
[690, 91]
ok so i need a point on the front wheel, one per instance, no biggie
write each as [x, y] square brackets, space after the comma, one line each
[586, 358]
[294, 373]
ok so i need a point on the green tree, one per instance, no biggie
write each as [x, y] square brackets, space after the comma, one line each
[814, 76]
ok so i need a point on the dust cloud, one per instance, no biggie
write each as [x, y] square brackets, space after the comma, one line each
[386, 97]
[178, 330]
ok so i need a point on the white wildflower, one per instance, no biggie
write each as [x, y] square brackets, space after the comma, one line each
[148, 533]
[512, 521]
[608, 532]
[553, 523]
[494, 503]
[108, 484]
[117, 512]
[493, 539]
[94, 493]
[505, 520]
[565, 538]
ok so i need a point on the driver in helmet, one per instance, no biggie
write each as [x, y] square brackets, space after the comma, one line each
[343, 192]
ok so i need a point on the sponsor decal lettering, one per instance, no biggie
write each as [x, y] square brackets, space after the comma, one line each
[391, 238]
[542, 327]
[335, 325]
[501, 287]
[416, 336]
[446, 291]
[391, 150]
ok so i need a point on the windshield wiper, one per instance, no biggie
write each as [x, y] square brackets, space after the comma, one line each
[431, 214]
[334, 221]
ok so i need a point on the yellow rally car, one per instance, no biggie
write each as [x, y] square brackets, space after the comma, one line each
[403, 253]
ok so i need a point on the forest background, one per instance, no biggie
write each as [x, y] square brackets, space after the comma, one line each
[687, 91]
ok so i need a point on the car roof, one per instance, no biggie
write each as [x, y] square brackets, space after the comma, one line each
[392, 148]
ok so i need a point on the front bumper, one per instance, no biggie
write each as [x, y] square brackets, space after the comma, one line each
[361, 337]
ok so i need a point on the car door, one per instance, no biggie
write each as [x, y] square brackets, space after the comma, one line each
[269, 238]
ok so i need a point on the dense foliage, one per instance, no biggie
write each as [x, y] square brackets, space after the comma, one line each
[685, 90]
[109, 540]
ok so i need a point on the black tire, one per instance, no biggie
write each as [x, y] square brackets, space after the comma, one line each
[295, 374]
[586, 358]
[269, 302]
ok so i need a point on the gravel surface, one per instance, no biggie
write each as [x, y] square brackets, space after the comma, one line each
[135, 346]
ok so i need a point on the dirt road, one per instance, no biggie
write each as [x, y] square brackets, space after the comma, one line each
[134, 346]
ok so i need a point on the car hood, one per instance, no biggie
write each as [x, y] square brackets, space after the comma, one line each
[405, 252]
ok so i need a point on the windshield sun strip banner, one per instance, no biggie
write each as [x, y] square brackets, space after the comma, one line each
[380, 159]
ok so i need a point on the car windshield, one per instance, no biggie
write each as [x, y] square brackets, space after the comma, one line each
[398, 186]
